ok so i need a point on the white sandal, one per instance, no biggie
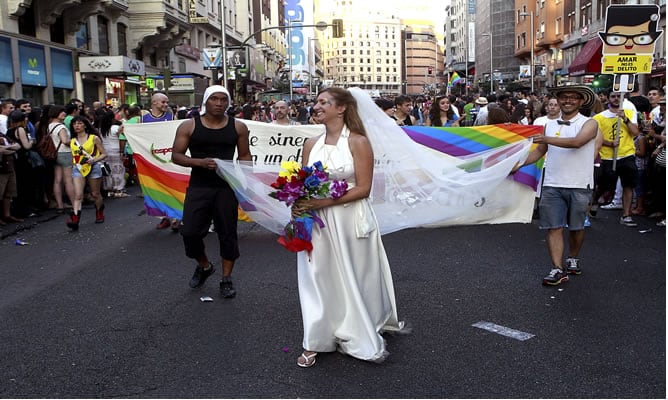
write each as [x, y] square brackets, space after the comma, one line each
[309, 360]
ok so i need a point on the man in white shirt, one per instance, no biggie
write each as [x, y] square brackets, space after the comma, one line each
[569, 178]
[481, 118]
[6, 108]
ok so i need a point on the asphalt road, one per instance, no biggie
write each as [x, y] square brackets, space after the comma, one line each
[107, 312]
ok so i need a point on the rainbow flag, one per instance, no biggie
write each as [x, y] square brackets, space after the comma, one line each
[454, 78]
[462, 141]
[164, 184]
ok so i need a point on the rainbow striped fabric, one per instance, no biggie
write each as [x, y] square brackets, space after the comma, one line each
[464, 141]
[164, 184]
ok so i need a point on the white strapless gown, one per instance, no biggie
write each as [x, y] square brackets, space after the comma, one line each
[345, 284]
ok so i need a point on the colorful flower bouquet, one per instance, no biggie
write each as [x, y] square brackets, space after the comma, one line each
[295, 182]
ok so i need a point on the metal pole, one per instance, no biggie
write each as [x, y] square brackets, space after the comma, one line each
[491, 51]
[491, 63]
[290, 57]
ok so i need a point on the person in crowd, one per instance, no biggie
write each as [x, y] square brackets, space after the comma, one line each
[658, 166]
[481, 115]
[87, 155]
[402, 113]
[213, 134]
[642, 156]
[387, 106]
[110, 129]
[536, 105]
[569, 178]
[7, 178]
[441, 113]
[160, 111]
[654, 95]
[552, 112]
[343, 308]
[519, 116]
[6, 107]
[72, 109]
[62, 170]
[134, 117]
[497, 115]
[281, 114]
[27, 172]
[122, 112]
[26, 106]
[619, 128]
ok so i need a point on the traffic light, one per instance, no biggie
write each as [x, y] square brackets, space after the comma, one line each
[337, 28]
[430, 70]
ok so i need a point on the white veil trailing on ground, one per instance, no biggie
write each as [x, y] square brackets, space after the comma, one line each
[413, 186]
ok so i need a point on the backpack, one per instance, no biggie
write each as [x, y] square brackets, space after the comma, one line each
[46, 148]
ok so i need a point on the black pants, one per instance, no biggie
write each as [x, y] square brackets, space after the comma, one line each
[203, 204]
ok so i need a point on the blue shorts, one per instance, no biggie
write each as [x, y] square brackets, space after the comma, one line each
[563, 206]
[64, 159]
[95, 172]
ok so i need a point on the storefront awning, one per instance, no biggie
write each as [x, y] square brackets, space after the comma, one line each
[588, 61]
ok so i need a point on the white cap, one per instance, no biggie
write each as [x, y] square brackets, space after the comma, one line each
[208, 92]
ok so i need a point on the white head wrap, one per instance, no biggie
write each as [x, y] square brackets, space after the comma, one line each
[208, 92]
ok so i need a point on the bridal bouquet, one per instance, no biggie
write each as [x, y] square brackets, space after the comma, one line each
[295, 182]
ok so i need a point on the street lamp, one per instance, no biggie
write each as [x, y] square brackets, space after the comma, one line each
[530, 15]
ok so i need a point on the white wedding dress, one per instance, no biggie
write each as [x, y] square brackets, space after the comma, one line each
[345, 284]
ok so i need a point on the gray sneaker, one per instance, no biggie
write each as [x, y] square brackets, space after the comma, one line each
[555, 277]
[227, 288]
[573, 266]
[628, 221]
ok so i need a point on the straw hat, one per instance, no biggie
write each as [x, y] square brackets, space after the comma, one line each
[481, 100]
[587, 94]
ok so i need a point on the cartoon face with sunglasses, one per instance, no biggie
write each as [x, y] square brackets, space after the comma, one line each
[631, 29]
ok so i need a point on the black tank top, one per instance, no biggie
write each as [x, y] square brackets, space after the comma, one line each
[211, 143]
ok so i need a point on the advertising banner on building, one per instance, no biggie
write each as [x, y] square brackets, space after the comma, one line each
[31, 62]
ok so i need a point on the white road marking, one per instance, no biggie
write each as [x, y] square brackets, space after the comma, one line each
[502, 330]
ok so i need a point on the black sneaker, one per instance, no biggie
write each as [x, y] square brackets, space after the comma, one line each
[555, 277]
[200, 275]
[227, 288]
[573, 266]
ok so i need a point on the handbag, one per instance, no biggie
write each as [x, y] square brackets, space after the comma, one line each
[106, 169]
[34, 159]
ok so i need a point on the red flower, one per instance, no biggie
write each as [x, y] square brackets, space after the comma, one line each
[295, 244]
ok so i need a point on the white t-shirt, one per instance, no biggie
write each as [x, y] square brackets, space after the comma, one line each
[566, 167]
[542, 121]
[3, 124]
[54, 129]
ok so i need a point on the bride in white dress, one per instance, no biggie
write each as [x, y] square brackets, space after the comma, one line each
[345, 284]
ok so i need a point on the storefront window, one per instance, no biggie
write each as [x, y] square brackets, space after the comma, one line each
[61, 96]
[34, 94]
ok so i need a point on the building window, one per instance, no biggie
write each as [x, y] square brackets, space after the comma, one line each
[103, 35]
[557, 27]
[82, 36]
[586, 14]
[122, 40]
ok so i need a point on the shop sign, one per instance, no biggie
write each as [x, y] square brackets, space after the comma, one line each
[111, 65]
[178, 84]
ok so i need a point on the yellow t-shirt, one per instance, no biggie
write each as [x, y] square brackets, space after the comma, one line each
[80, 157]
[607, 123]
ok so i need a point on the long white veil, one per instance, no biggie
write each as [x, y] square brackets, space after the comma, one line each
[413, 186]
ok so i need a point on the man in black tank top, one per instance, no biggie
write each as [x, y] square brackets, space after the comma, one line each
[208, 136]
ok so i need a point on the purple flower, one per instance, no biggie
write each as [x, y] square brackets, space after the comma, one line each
[338, 188]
